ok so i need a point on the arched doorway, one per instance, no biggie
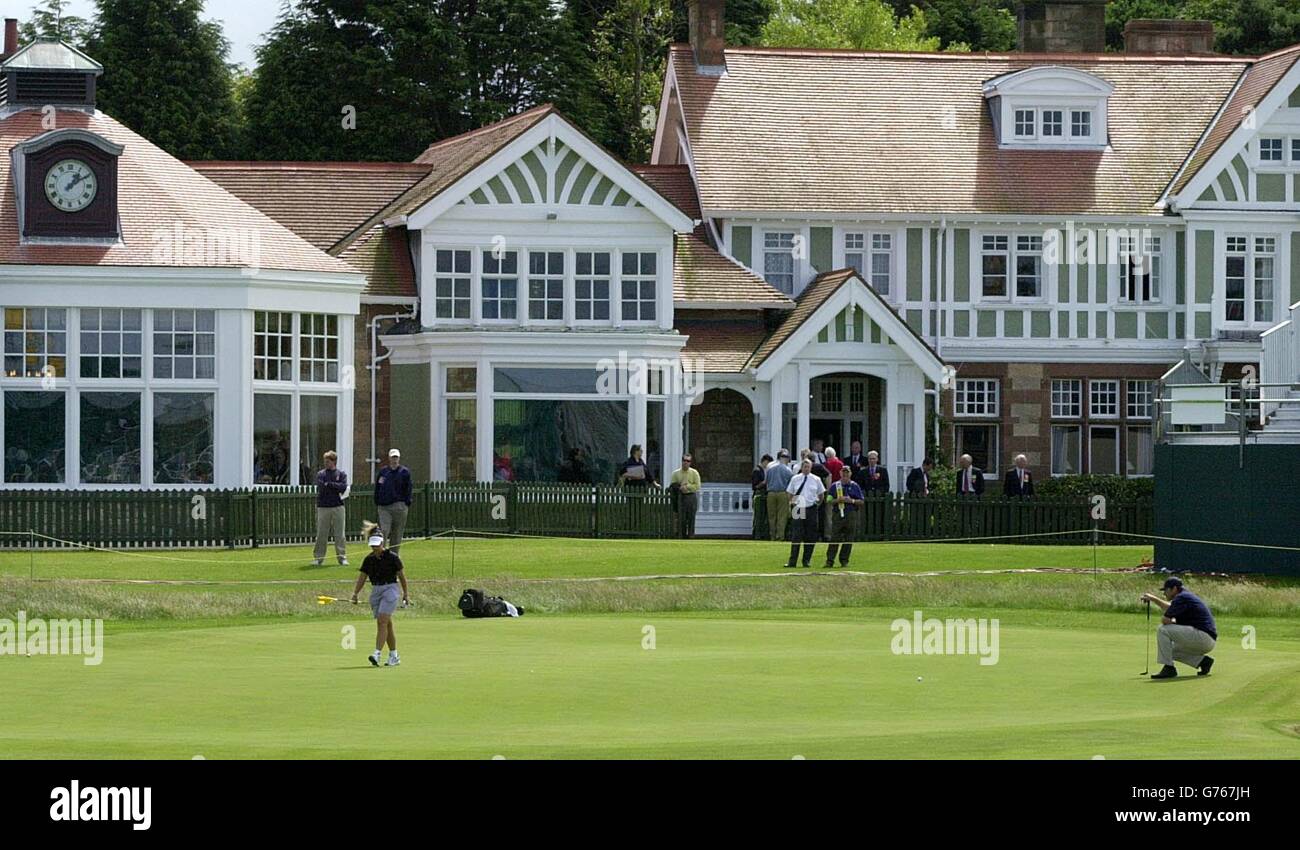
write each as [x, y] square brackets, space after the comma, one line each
[720, 436]
[845, 407]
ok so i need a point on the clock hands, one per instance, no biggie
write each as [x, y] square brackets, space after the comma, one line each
[82, 176]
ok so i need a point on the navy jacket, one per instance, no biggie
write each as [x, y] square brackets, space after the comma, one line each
[330, 485]
[393, 486]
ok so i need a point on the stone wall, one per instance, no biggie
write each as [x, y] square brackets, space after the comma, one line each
[722, 437]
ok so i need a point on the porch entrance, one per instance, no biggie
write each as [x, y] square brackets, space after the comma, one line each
[843, 407]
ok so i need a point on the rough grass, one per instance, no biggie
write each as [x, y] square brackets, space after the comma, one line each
[1106, 592]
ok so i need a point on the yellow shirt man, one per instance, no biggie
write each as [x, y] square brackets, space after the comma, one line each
[687, 478]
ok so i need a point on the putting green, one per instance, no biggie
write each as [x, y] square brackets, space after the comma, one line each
[813, 683]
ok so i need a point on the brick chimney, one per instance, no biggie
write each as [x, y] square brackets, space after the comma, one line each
[708, 38]
[1169, 38]
[11, 38]
[1062, 26]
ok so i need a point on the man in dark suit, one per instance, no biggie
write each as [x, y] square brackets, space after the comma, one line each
[872, 477]
[970, 478]
[1017, 481]
[856, 458]
[918, 480]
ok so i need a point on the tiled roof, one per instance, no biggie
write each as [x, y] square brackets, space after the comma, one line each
[320, 201]
[720, 345]
[811, 299]
[1258, 81]
[844, 131]
[702, 275]
[674, 183]
[156, 194]
[383, 255]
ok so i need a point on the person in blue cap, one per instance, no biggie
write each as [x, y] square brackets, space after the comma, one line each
[1187, 632]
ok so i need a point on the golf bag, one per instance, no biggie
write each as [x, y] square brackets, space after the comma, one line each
[474, 603]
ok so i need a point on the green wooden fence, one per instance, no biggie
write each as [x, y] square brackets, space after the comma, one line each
[242, 518]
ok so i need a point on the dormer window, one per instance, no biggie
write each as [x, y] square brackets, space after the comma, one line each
[1081, 124]
[1049, 107]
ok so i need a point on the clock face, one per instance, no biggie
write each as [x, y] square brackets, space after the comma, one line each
[70, 185]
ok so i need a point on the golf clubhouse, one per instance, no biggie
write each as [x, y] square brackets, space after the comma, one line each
[1001, 252]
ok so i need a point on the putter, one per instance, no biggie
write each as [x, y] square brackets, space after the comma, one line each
[1147, 671]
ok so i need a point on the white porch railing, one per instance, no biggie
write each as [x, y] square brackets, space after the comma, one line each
[725, 510]
[1279, 361]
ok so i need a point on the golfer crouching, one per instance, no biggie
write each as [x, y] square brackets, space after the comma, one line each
[1187, 631]
[384, 569]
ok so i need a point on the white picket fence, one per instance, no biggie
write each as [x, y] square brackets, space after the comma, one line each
[725, 511]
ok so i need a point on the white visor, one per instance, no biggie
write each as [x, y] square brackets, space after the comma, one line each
[377, 540]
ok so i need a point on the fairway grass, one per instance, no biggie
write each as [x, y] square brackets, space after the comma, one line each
[812, 683]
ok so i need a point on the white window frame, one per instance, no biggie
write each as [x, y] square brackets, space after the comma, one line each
[47, 335]
[987, 403]
[1134, 264]
[855, 246]
[548, 278]
[1031, 122]
[284, 361]
[1024, 247]
[155, 332]
[1249, 248]
[1139, 398]
[1058, 123]
[1274, 144]
[1089, 120]
[1119, 459]
[1128, 445]
[881, 245]
[500, 277]
[1067, 398]
[592, 278]
[1103, 398]
[100, 334]
[307, 360]
[641, 303]
[1006, 253]
[1076, 427]
[453, 276]
[774, 248]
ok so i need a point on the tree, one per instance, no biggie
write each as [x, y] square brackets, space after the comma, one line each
[338, 79]
[855, 24]
[979, 25]
[1242, 27]
[166, 75]
[49, 21]
[630, 44]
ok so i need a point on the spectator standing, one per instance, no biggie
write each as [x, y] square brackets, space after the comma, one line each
[758, 498]
[918, 480]
[855, 458]
[833, 464]
[805, 492]
[778, 476]
[1017, 481]
[635, 476]
[331, 517]
[687, 482]
[970, 478]
[393, 494]
[872, 477]
[818, 454]
[845, 500]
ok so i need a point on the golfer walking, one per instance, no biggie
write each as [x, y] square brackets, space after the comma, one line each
[393, 492]
[384, 569]
[331, 490]
[1187, 631]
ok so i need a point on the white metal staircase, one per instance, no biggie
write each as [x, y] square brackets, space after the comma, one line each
[1279, 367]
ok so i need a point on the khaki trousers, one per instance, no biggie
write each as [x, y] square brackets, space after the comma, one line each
[392, 520]
[778, 514]
[330, 521]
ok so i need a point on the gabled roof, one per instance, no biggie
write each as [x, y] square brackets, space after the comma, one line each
[819, 292]
[702, 276]
[322, 202]
[457, 159]
[49, 54]
[1256, 82]
[157, 195]
[820, 131]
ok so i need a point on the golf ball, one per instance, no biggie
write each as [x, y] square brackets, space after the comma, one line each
[918, 678]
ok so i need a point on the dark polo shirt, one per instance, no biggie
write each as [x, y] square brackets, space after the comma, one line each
[1187, 609]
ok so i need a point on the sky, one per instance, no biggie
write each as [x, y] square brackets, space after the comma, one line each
[244, 21]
